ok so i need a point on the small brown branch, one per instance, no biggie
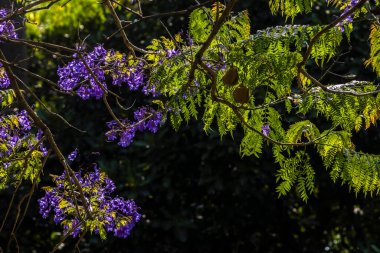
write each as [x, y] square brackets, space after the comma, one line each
[326, 29]
[110, 111]
[198, 56]
[40, 45]
[79, 241]
[126, 8]
[126, 41]
[52, 84]
[65, 237]
[47, 109]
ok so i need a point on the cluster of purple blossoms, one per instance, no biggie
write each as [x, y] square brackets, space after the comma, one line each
[121, 73]
[145, 118]
[7, 28]
[15, 135]
[349, 19]
[114, 215]
[13, 128]
[87, 75]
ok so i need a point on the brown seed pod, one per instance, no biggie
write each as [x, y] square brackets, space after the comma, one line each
[241, 95]
[231, 77]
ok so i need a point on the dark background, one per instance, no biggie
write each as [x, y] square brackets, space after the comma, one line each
[195, 191]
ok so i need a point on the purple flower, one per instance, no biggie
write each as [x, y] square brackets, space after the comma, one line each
[43, 149]
[3, 133]
[147, 118]
[73, 155]
[171, 52]
[111, 135]
[24, 120]
[59, 214]
[265, 130]
[89, 78]
[13, 141]
[39, 134]
[126, 137]
[7, 28]
[153, 123]
[190, 40]
[109, 186]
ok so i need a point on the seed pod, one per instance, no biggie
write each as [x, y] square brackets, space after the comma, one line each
[231, 77]
[241, 95]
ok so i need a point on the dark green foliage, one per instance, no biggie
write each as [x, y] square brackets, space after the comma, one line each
[267, 61]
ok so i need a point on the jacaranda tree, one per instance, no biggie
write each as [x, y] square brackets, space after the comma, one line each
[219, 72]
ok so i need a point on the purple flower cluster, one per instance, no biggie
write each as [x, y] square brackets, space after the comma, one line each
[7, 28]
[77, 76]
[13, 128]
[4, 80]
[24, 121]
[114, 215]
[16, 137]
[145, 118]
[122, 73]
[87, 76]
[349, 19]
[128, 71]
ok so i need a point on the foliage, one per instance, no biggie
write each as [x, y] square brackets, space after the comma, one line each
[269, 60]
[21, 151]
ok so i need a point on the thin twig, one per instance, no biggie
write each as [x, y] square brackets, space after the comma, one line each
[47, 109]
[343, 92]
[126, 41]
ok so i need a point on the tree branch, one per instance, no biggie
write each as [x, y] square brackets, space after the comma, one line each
[49, 135]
